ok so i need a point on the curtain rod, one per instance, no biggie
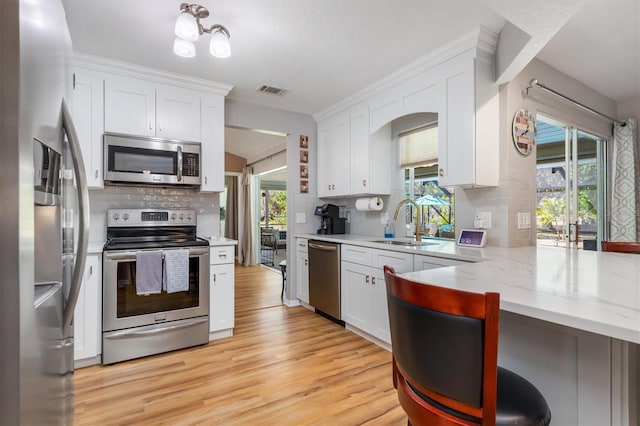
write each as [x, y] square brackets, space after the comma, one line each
[535, 83]
[268, 156]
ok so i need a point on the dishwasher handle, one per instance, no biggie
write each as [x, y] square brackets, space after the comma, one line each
[324, 247]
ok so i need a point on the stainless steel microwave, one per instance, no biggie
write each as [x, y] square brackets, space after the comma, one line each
[154, 161]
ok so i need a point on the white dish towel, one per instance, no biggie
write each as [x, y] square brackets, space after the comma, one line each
[176, 271]
[148, 272]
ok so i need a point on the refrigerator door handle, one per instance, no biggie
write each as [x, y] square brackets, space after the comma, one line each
[83, 219]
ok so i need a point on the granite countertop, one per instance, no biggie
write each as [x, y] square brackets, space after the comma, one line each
[587, 290]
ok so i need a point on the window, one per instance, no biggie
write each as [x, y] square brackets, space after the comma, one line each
[419, 158]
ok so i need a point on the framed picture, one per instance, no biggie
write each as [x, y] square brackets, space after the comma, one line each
[304, 172]
[304, 141]
[524, 131]
[304, 156]
[304, 186]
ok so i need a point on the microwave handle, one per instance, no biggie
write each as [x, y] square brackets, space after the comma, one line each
[179, 163]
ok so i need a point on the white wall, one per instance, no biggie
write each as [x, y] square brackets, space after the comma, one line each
[252, 116]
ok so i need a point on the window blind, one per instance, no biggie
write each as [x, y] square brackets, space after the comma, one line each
[419, 147]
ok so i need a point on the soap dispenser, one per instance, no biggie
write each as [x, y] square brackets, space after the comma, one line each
[388, 230]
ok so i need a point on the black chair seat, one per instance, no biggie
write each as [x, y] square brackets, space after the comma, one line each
[519, 402]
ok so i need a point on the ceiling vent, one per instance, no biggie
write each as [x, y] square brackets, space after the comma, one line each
[272, 90]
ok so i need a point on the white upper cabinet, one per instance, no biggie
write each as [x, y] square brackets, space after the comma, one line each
[212, 162]
[139, 107]
[129, 106]
[177, 113]
[333, 157]
[88, 118]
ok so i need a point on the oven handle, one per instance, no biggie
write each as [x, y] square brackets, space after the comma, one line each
[131, 255]
[127, 334]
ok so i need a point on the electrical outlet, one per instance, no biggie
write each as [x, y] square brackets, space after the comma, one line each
[301, 218]
[524, 220]
[483, 220]
[384, 218]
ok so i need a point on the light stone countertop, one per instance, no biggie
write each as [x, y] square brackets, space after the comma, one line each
[96, 247]
[591, 291]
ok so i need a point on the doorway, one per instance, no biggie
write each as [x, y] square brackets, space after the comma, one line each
[571, 185]
[273, 217]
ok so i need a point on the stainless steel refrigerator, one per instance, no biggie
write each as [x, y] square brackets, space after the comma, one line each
[43, 215]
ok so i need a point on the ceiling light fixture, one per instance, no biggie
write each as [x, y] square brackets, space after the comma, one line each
[189, 29]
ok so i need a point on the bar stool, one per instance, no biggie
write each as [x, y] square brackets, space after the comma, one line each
[444, 346]
[283, 269]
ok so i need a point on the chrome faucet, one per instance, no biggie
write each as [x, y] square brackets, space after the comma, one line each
[418, 215]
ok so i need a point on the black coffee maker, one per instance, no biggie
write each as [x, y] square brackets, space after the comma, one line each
[330, 222]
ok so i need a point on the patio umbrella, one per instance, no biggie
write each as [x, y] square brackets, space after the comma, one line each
[430, 200]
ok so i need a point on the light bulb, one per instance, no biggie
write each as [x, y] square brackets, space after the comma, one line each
[184, 48]
[187, 27]
[219, 46]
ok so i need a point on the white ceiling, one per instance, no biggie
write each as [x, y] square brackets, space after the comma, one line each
[252, 144]
[323, 51]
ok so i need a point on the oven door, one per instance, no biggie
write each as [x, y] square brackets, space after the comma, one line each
[123, 308]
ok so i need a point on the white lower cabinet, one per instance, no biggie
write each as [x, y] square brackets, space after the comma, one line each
[221, 292]
[302, 270]
[87, 320]
[363, 291]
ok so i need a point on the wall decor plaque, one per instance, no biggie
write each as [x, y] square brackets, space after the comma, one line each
[524, 131]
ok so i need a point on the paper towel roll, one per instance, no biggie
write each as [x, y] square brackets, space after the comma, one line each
[369, 204]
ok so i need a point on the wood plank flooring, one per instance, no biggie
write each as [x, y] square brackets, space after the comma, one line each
[284, 366]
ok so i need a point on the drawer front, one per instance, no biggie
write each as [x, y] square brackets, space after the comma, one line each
[302, 245]
[356, 254]
[401, 262]
[422, 263]
[221, 254]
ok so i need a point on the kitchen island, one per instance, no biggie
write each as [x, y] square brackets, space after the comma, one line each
[570, 320]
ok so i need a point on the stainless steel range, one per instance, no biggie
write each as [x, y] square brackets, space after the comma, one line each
[155, 283]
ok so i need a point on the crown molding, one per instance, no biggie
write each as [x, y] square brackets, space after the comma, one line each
[481, 41]
[126, 69]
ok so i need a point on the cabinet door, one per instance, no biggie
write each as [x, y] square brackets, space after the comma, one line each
[356, 292]
[177, 114]
[302, 272]
[333, 157]
[129, 106]
[360, 153]
[221, 297]
[88, 117]
[380, 312]
[87, 320]
[212, 161]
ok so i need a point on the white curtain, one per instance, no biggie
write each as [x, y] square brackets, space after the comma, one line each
[624, 217]
[246, 244]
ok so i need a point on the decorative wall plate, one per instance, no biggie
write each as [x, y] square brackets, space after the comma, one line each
[524, 131]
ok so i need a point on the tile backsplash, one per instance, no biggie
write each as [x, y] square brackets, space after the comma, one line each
[206, 205]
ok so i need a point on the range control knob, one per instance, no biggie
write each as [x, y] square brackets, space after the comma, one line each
[116, 216]
[189, 216]
[125, 216]
[173, 216]
[181, 216]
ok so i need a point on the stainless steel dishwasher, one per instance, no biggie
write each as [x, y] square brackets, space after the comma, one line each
[324, 278]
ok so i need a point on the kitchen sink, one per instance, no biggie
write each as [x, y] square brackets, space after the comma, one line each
[405, 243]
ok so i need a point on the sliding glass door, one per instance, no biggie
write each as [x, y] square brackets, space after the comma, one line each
[571, 186]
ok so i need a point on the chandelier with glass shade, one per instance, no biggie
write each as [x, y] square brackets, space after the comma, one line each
[189, 29]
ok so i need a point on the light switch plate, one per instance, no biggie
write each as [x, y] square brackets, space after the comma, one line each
[301, 218]
[524, 220]
[483, 220]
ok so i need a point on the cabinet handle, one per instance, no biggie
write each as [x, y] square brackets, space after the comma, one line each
[150, 128]
[90, 270]
[214, 278]
[306, 262]
[329, 187]
[222, 254]
[333, 187]
[366, 279]
[96, 174]
[205, 180]
[441, 172]
[373, 280]
[364, 182]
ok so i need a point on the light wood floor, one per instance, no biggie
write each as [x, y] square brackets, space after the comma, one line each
[283, 366]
